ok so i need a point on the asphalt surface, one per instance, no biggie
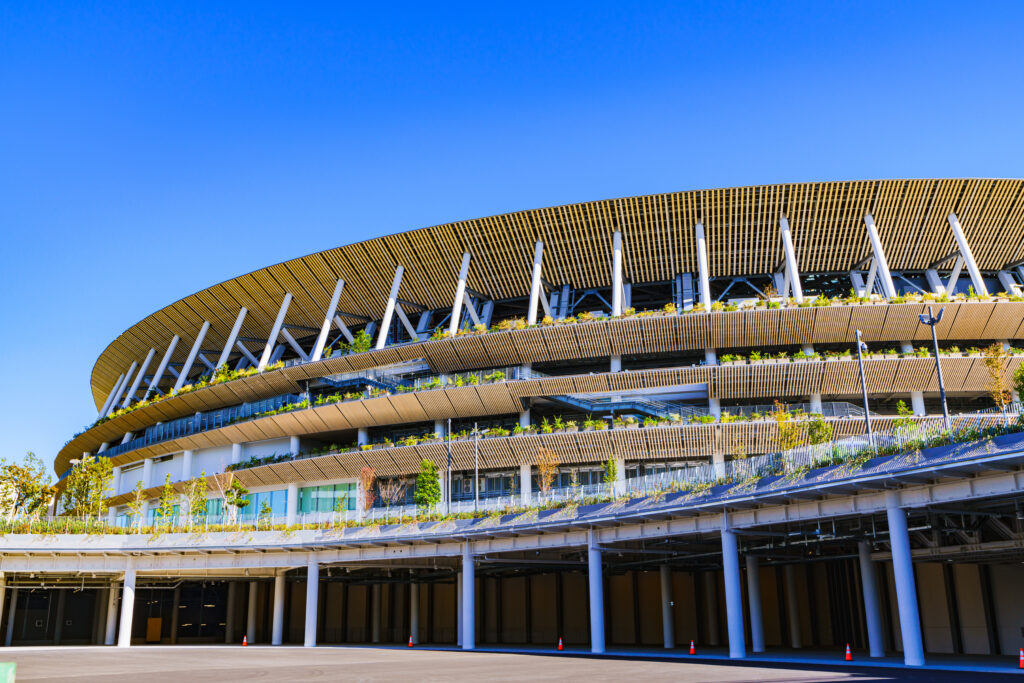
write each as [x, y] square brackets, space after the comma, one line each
[198, 664]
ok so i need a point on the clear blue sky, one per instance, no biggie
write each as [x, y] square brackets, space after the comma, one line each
[148, 152]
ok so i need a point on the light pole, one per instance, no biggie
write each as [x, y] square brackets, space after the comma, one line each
[864, 387]
[931, 321]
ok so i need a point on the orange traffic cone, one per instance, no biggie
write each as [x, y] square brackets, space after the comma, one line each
[245, 641]
[1021, 663]
[410, 641]
[849, 657]
[693, 650]
[559, 643]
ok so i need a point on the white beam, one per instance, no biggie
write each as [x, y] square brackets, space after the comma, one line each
[733, 593]
[869, 589]
[344, 329]
[138, 378]
[965, 251]
[389, 308]
[325, 328]
[791, 268]
[859, 288]
[1009, 286]
[312, 601]
[187, 367]
[247, 353]
[110, 397]
[536, 286]
[471, 309]
[954, 274]
[406, 323]
[468, 598]
[869, 284]
[232, 337]
[702, 268]
[617, 294]
[275, 331]
[124, 637]
[595, 580]
[124, 385]
[460, 292]
[934, 281]
[903, 575]
[294, 344]
[888, 289]
[160, 369]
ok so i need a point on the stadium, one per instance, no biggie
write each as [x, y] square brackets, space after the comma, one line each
[647, 416]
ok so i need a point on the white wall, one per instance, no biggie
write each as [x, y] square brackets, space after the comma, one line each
[171, 467]
[211, 460]
[130, 479]
[260, 449]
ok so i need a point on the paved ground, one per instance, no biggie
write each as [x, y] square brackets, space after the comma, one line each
[199, 664]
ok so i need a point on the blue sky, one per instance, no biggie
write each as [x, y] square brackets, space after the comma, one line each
[150, 151]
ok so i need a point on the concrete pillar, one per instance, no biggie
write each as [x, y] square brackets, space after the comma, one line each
[754, 596]
[968, 256]
[439, 427]
[375, 613]
[668, 625]
[325, 328]
[733, 595]
[596, 584]
[458, 608]
[711, 606]
[362, 436]
[615, 364]
[3, 591]
[58, 620]
[906, 591]
[414, 612]
[294, 445]
[460, 294]
[872, 612]
[229, 618]
[10, 617]
[702, 268]
[468, 598]
[277, 635]
[291, 502]
[186, 465]
[175, 609]
[108, 637]
[917, 403]
[312, 601]
[275, 332]
[236, 453]
[792, 608]
[389, 308]
[525, 484]
[250, 613]
[524, 418]
[934, 281]
[124, 636]
[147, 473]
[881, 262]
[790, 253]
[816, 406]
[536, 295]
[115, 484]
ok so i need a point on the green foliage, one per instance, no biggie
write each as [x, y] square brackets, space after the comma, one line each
[611, 471]
[86, 487]
[818, 431]
[26, 486]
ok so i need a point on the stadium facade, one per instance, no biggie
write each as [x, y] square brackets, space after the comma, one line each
[656, 332]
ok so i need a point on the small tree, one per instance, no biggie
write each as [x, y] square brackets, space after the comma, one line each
[193, 497]
[391, 491]
[611, 474]
[166, 502]
[998, 388]
[547, 469]
[789, 433]
[428, 486]
[86, 487]
[137, 504]
[25, 486]
[818, 431]
[236, 498]
[340, 504]
[367, 478]
[265, 513]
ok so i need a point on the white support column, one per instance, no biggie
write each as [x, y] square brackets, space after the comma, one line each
[792, 607]
[791, 268]
[110, 397]
[617, 293]
[965, 251]
[325, 328]
[162, 367]
[291, 504]
[668, 625]
[229, 345]
[389, 309]
[525, 484]
[138, 378]
[460, 294]
[275, 332]
[296, 347]
[3, 591]
[375, 613]
[615, 364]
[733, 595]
[349, 337]
[187, 367]
[468, 598]
[115, 483]
[917, 403]
[954, 275]
[903, 571]
[1008, 283]
[236, 453]
[294, 445]
[186, 465]
[859, 288]
[277, 634]
[596, 590]
[410, 329]
[620, 477]
[888, 289]
[816, 406]
[124, 636]
[702, 268]
[10, 617]
[147, 473]
[312, 601]
[869, 587]
[458, 606]
[362, 436]
[869, 284]
[124, 386]
[931, 276]
[754, 596]
[414, 613]
[229, 618]
[111, 626]
[536, 289]
[250, 614]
